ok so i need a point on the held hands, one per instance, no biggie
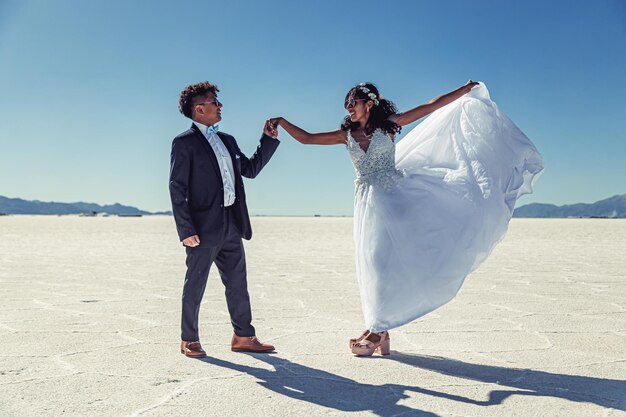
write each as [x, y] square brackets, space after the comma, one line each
[271, 128]
[274, 122]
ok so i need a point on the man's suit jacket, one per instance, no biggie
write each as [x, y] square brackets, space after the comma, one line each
[196, 186]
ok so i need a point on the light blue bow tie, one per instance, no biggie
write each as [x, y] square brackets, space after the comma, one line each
[213, 129]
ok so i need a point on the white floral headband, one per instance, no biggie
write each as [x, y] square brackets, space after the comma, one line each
[367, 91]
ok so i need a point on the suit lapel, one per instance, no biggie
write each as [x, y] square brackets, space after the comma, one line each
[207, 146]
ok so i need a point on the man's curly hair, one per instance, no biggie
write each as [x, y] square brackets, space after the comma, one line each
[189, 96]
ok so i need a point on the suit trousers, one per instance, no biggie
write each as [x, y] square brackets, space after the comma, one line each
[230, 259]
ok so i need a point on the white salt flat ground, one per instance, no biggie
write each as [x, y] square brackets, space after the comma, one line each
[89, 326]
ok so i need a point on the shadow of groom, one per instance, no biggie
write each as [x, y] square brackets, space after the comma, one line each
[324, 388]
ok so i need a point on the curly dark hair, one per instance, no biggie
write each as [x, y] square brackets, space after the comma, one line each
[189, 96]
[378, 114]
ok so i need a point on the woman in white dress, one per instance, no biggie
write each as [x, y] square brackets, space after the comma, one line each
[428, 211]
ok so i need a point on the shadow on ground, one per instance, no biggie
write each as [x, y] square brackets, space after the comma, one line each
[607, 393]
[343, 394]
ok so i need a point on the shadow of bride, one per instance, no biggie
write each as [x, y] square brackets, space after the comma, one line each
[607, 393]
[326, 389]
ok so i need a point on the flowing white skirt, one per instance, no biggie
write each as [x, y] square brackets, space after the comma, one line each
[465, 167]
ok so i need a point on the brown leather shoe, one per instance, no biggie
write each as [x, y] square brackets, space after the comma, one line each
[192, 349]
[249, 344]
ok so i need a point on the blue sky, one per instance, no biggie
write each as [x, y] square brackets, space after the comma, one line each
[89, 90]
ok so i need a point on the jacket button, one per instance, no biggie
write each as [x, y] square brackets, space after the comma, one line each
[221, 205]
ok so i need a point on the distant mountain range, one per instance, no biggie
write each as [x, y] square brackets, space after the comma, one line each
[614, 207]
[19, 206]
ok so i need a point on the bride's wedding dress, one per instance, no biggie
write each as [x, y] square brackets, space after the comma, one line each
[430, 209]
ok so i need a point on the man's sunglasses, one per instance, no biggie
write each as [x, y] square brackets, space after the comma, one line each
[215, 101]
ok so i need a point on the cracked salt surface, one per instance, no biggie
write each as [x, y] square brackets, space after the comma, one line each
[539, 329]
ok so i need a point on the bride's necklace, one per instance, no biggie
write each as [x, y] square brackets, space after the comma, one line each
[365, 136]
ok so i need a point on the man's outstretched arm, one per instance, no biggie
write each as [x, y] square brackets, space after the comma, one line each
[250, 167]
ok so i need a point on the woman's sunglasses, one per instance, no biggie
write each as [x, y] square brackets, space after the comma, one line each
[352, 102]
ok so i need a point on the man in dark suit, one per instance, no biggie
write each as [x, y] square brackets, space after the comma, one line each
[209, 205]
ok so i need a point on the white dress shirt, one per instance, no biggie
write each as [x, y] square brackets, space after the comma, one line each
[225, 162]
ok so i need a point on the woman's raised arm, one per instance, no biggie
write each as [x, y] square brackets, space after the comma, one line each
[336, 137]
[422, 110]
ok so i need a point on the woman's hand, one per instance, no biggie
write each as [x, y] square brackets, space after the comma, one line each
[469, 85]
[275, 121]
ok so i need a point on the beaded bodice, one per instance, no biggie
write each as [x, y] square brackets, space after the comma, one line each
[377, 165]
